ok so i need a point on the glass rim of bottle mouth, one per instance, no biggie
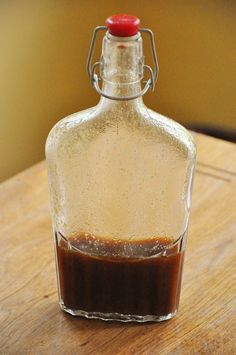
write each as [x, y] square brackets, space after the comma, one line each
[135, 37]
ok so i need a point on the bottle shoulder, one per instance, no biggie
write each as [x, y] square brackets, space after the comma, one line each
[173, 132]
[117, 121]
[63, 128]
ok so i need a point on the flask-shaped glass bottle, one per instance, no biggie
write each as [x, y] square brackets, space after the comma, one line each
[120, 179]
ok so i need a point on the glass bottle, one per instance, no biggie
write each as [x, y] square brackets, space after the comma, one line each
[120, 179]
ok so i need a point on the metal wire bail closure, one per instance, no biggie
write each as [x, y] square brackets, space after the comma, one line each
[95, 79]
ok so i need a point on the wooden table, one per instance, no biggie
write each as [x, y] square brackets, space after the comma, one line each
[30, 319]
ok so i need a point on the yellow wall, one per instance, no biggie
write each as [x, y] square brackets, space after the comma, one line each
[44, 45]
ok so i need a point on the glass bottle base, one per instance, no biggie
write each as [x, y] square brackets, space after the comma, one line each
[117, 316]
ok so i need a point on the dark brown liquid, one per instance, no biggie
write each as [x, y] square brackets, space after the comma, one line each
[117, 283]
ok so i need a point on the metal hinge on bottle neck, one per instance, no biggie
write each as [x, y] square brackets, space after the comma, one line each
[94, 78]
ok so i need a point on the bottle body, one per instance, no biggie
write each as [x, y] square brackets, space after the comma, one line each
[120, 179]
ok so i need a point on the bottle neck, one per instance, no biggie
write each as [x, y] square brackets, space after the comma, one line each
[122, 67]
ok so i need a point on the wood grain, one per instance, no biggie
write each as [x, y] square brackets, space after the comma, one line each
[30, 319]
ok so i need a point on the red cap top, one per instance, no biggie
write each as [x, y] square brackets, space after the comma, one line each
[123, 25]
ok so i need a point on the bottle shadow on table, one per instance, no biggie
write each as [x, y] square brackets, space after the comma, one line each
[50, 330]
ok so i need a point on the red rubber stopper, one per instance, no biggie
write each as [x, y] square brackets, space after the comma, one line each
[123, 25]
